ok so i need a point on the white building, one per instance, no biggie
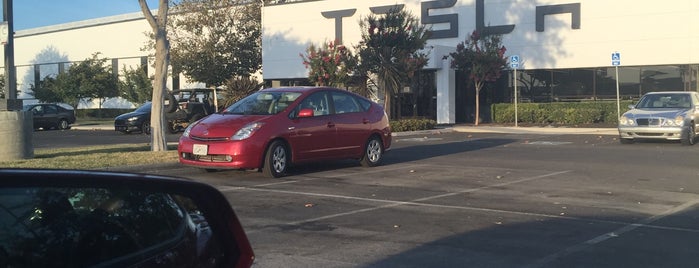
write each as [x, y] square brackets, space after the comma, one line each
[568, 42]
[565, 46]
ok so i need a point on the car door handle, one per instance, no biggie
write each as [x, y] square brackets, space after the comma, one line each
[365, 121]
[331, 124]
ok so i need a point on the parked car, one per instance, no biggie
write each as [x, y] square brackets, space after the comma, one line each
[51, 115]
[274, 128]
[671, 115]
[191, 105]
[73, 218]
[136, 121]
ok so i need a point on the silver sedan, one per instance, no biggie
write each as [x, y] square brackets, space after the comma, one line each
[670, 115]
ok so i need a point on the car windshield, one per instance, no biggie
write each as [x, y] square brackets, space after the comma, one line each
[145, 108]
[655, 101]
[263, 103]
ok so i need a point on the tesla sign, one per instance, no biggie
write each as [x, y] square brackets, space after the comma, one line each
[453, 19]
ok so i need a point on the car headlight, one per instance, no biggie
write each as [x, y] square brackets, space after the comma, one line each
[189, 128]
[247, 131]
[677, 122]
[132, 119]
[625, 121]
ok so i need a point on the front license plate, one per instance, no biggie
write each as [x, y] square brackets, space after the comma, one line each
[200, 149]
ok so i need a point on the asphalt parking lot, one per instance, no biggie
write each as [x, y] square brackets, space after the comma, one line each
[458, 199]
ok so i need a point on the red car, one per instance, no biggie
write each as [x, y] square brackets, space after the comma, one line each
[276, 127]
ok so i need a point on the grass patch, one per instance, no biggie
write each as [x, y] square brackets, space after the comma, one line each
[95, 157]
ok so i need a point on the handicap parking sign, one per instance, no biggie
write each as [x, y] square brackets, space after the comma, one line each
[616, 59]
[514, 61]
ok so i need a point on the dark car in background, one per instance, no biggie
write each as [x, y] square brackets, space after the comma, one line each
[51, 115]
[136, 121]
[190, 106]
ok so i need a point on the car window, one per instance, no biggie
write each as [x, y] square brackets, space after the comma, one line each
[51, 109]
[263, 103]
[317, 101]
[345, 103]
[39, 109]
[90, 226]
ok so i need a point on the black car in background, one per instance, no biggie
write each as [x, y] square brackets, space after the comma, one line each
[51, 116]
[189, 106]
[136, 121]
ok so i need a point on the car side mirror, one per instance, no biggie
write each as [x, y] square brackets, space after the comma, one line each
[306, 112]
[631, 106]
[91, 218]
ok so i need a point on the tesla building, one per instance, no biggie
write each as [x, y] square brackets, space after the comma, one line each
[565, 47]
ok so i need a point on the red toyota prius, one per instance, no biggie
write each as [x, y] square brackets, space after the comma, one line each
[274, 128]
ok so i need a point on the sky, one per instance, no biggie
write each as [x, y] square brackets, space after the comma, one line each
[38, 13]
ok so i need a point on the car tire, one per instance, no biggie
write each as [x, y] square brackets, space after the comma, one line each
[145, 127]
[276, 160]
[688, 136]
[626, 141]
[373, 152]
[172, 106]
[63, 124]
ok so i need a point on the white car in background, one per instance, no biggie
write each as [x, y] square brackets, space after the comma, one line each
[670, 115]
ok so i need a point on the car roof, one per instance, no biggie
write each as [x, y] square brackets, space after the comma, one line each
[670, 92]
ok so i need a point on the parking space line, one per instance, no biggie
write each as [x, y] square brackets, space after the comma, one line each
[392, 203]
[616, 233]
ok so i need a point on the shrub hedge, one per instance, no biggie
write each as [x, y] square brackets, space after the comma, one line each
[564, 113]
[412, 124]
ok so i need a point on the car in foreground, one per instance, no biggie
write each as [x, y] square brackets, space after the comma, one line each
[51, 116]
[670, 115]
[73, 218]
[277, 127]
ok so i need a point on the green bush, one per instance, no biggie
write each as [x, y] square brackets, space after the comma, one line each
[563, 113]
[412, 124]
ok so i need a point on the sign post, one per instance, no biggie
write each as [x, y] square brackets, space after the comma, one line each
[514, 64]
[616, 61]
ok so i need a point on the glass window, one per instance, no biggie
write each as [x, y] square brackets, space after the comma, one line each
[85, 226]
[263, 103]
[345, 103]
[318, 102]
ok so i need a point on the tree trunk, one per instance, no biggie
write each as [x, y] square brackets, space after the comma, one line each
[162, 61]
[478, 102]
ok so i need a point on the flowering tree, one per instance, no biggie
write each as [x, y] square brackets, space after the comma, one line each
[329, 65]
[391, 48]
[483, 58]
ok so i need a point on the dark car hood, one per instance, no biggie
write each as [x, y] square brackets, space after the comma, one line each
[223, 125]
[656, 113]
[131, 114]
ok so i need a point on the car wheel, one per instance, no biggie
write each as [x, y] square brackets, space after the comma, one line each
[626, 141]
[172, 103]
[688, 135]
[276, 160]
[373, 152]
[145, 128]
[63, 124]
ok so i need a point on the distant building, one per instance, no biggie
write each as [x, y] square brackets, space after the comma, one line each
[565, 47]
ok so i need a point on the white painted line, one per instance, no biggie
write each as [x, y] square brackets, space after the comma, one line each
[543, 262]
[392, 203]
